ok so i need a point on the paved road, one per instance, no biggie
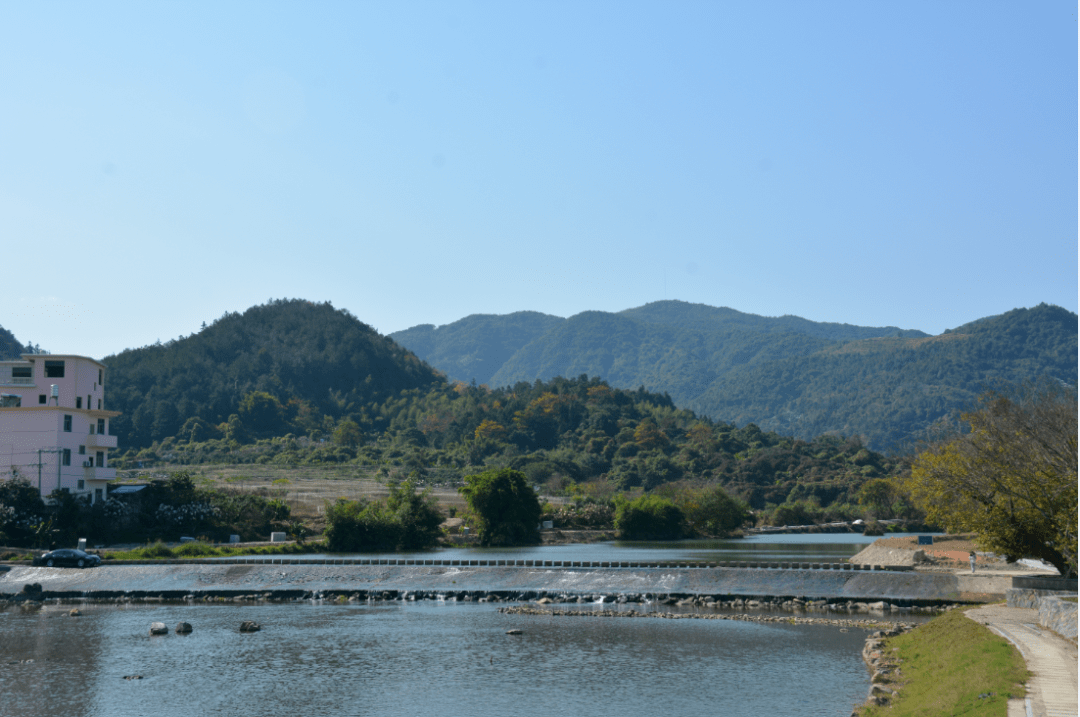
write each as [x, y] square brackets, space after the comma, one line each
[1050, 657]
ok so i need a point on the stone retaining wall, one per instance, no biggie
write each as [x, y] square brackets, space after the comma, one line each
[1054, 613]
[1058, 615]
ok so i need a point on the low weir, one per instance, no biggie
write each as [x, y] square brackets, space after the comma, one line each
[294, 577]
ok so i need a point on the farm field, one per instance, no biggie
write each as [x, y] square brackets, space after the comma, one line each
[304, 488]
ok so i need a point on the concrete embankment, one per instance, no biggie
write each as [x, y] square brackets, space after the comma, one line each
[299, 578]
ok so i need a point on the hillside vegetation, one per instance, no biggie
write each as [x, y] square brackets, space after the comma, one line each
[798, 377]
[574, 436]
[10, 348]
[300, 365]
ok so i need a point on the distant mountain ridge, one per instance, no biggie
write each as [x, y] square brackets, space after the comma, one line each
[786, 374]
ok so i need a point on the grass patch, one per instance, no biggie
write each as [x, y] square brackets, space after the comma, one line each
[1069, 599]
[946, 664]
[160, 551]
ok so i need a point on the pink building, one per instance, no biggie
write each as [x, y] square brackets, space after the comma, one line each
[54, 429]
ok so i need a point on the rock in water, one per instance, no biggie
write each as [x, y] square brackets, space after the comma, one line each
[158, 628]
[183, 628]
[515, 631]
[249, 626]
[74, 612]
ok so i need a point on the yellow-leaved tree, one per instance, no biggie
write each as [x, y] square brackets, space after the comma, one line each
[1011, 478]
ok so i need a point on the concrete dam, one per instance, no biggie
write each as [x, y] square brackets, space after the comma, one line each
[285, 577]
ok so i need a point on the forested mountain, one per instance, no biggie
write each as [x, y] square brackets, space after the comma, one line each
[889, 390]
[474, 348]
[10, 348]
[701, 317]
[564, 434]
[312, 360]
[791, 375]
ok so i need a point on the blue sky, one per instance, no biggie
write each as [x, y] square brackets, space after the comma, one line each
[910, 164]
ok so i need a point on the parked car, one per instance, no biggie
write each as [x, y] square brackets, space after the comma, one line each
[68, 557]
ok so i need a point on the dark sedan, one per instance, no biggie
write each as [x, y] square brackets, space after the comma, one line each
[69, 558]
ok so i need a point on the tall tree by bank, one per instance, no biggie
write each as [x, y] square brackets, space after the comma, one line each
[1012, 478]
[506, 506]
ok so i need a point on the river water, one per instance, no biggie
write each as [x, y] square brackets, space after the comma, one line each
[417, 659]
[798, 547]
[451, 658]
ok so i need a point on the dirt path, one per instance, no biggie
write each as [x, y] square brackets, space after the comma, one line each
[1050, 657]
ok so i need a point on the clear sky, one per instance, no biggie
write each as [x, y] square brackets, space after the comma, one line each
[876, 163]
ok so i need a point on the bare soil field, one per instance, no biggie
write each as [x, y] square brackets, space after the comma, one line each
[305, 489]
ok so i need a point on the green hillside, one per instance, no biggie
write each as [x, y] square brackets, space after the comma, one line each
[312, 359]
[681, 362]
[890, 390]
[474, 348]
[701, 317]
[798, 377]
[10, 348]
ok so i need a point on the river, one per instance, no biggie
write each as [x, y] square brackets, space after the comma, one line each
[415, 659]
[454, 658]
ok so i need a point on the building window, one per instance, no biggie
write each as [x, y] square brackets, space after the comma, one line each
[42, 398]
[67, 424]
[54, 369]
[10, 401]
[101, 426]
[78, 402]
[100, 459]
[67, 457]
[89, 403]
[82, 484]
[21, 372]
[82, 450]
[100, 378]
[99, 404]
[97, 495]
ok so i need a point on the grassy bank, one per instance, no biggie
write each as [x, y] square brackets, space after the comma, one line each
[952, 666]
[160, 551]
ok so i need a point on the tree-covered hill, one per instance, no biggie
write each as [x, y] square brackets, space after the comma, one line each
[702, 317]
[799, 377]
[890, 390]
[474, 348]
[312, 360]
[562, 434]
[10, 348]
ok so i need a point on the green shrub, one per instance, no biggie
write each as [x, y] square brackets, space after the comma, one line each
[650, 517]
[506, 507]
[407, 520]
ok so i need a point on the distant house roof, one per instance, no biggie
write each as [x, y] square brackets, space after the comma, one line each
[122, 489]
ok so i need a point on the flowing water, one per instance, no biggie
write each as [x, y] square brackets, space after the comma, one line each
[416, 659]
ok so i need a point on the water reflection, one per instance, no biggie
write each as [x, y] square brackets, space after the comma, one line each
[817, 547]
[411, 659]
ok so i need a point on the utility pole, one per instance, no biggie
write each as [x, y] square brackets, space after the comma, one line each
[48, 450]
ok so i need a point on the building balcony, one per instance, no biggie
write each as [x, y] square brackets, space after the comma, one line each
[16, 381]
[92, 473]
[100, 440]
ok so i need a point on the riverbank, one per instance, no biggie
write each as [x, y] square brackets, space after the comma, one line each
[951, 665]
